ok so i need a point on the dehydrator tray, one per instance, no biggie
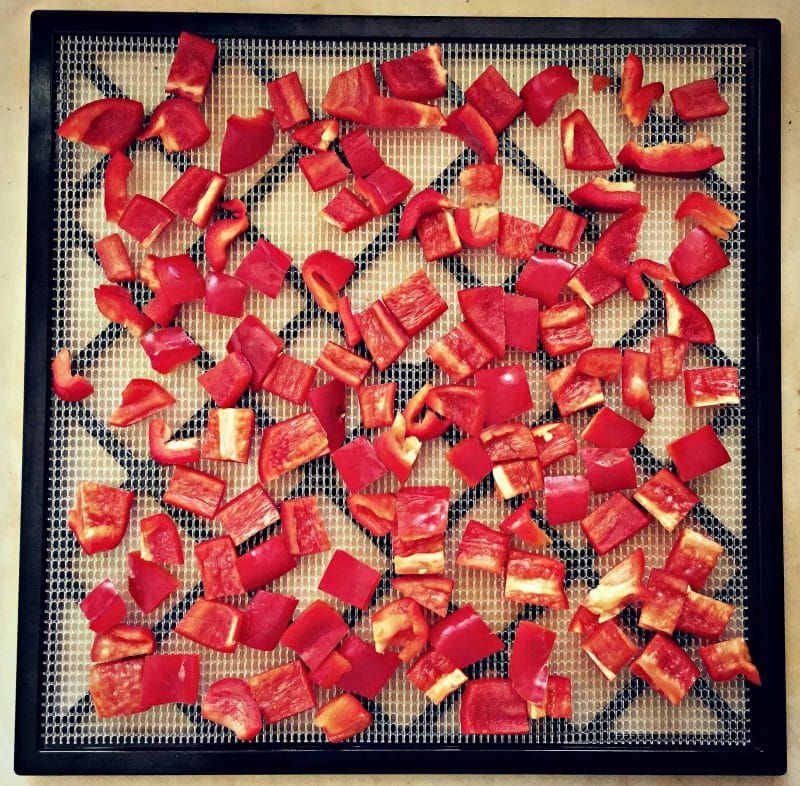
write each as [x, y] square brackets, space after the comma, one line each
[619, 726]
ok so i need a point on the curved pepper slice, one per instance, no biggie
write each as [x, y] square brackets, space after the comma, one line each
[521, 524]
[464, 638]
[436, 676]
[666, 668]
[195, 194]
[116, 304]
[483, 548]
[230, 703]
[317, 136]
[727, 659]
[470, 127]
[493, 97]
[429, 426]
[348, 94]
[103, 607]
[327, 403]
[159, 540]
[212, 624]
[247, 140]
[190, 71]
[639, 267]
[106, 125]
[636, 383]
[144, 219]
[222, 233]
[377, 513]
[698, 255]
[170, 452]
[66, 385]
[707, 213]
[149, 584]
[581, 146]
[178, 124]
[122, 641]
[528, 666]
[140, 399]
[228, 380]
[614, 522]
[535, 579]
[288, 101]
[383, 189]
[400, 625]
[637, 98]
[431, 592]
[419, 76]
[619, 241]
[686, 159]
[396, 450]
[346, 211]
[698, 100]
[342, 718]
[542, 92]
[490, 705]
[606, 196]
[289, 444]
[325, 274]
[685, 319]
[388, 112]
[665, 498]
[115, 185]
[424, 203]
[618, 587]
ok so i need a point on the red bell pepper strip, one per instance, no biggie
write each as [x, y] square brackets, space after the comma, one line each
[619, 241]
[544, 277]
[477, 227]
[216, 560]
[376, 404]
[609, 648]
[608, 429]
[535, 579]
[698, 100]
[518, 477]
[327, 403]
[230, 703]
[573, 391]
[563, 230]
[542, 92]
[170, 452]
[490, 705]
[247, 140]
[194, 195]
[564, 328]
[361, 153]
[493, 97]
[167, 679]
[350, 580]
[377, 513]
[583, 622]
[144, 219]
[224, 295]
[693, 556]
[431, 592]
[303, 528]
[114, 259]
[222, 233]
[604, 363]
[178, 124]
[554, 441]
[429, 426]
[116, 688]
[707, 213]
[325, 274]
[704, 617]
[663, 603]
[212, 624]
[438, 236]
[474, 131]
[728, 659]
[247, 514]
[115, 302]
[516, 237]
[606, 196]
[264, 268]
[140, 399]
[106, 125]
[601, 82]
[159, 540]
[195, 491]
[370, 670]
[705, 387]
[358, 464]
[384, 189]
[483, 548]
[115, 186]
[520, 523]
[482, 183]
[315, 633]
[317, 136]
[122, 641]
[635, 97]
[419, 76]
[66, 385]
[179, 280]
[283, 692]
[148, 583]
[190, 71]
[400, 625]
[528, 665]
[665, 498]
[288, 101]
[103, 607]
[228, 380]
[382, 334]
[484, 309]
[558, 698]
[685, 159]
[619, 587]
[289, 444]
[346, 211]
[342, 717]
[322, 170]
[666, 357]
[464, 638]
[636, 383]
[697, 453]
[581, 146]
[566, 498]
[463, 405]
[99, 516]
[228, 435]
[258, 344]
[593, 283]
[470, 460]
[422, 511]
[507, 392]
[418, 555]
[698, 255]
[424, 203]
[436, 676]
[633, 276]
[290, 379]
[609, 469]
[331, 670]
[614, 522]
[388, 112]
[521, 318]
[666, 668]
[348, 94]
[265, 619]
[397, 451]
[460, 353]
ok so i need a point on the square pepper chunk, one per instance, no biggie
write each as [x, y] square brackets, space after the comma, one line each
[283, 691]
[350, 580]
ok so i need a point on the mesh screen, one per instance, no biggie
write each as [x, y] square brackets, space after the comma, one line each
[284, 209]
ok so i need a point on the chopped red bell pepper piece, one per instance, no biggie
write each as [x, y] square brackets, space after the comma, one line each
[665, 498]
[707, 213]
[303, 528]
[384, 189]
[581, 146]
[436, 676]
[318, 135]
[542, 92]
[483, 548]
[290, 379]
[583, 622]
[654, 270]
[283, 692]
[195, 491]
[693, 557]
[663, 603]
[424, 203]
[566, 498]
[518, 477]
[330, 671]
[619, 241]
[606, 196]
[115, 186]
[698, 100]
[169, 348]
[264, 268]
[358, 464]
[516, 237]
[100, 516]
[228, 435]
[422, 511]
[704, 617]
[564, 328]
[228, 380]
[179, 280]
[388, 112]
[288, 101]
[636, 383]
[563, 230]
[264, 563]
[144, 219]
[265, 619]
[482, 183]
[484, 309]
[593, 283]
[520, 523]
[493, 97]
[222, 233]
[609, 469]
[604, 363]
[528, 666]
[477, 227]
[106, 125]
[666, 357]
[418, 555]
[621, 585]
[438, 236]
[247, 140]
[178, 124]
[230, 703]
[383, 336]
[66, 385]
[727, 659]
[698, 255]
[377, 513]
[247, 513]
[224, 295]
[167, 679]
[558, 698]
[149, 584]
[346, 211]
[350, 327]
[322, 170]
[461, 352]
[348, 94]
[573, 391]
[463, 405]
[705, 387]
[637, 98]
[212, 624]
[170, 452]
[258, 344]
[159, 540]
[160, 310]
[361, 153]
[544, 277]
[535, 579]
[115, 302]
[350, 580]
[601, 82]
[344, 365]
[103, 607]
[507, 392]
[490, 705]
[116, 687]
[474, 131]
[315, 633]
[195, 194]
[432, 592]
[666, 668]
[698, 452]
[140, 399]
[376, 404]
[470, 460]
[614, 522]
[122, 641]
[342, 718]
[521, 317]
[464, 638]
[327, 403]
[609, 648]
[114, 259]
[370, 671]
[190, 71]
[216, 560]
[401, 625]
[289, 444]
[608, 429]
[429, 426]
[554, 441]
[419, 76]
[397, 451]
[685, 159]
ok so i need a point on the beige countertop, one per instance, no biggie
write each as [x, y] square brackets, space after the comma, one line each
[14, 44]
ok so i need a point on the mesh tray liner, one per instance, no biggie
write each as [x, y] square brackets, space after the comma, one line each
[284, 209]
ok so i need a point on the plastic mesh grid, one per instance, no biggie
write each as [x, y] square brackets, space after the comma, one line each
[283, 209]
